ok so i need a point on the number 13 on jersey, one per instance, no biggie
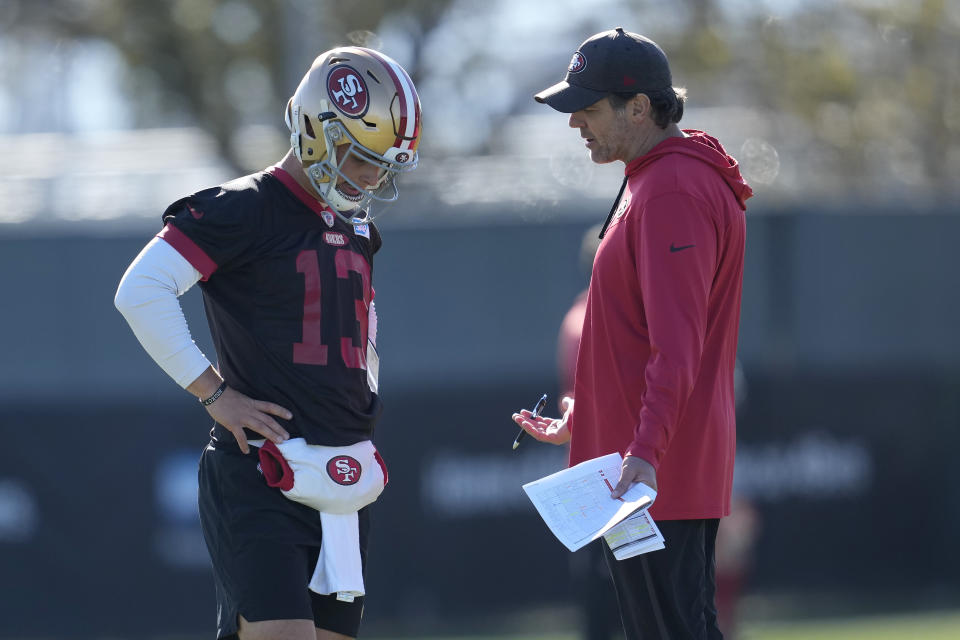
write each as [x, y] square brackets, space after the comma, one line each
[312, 350]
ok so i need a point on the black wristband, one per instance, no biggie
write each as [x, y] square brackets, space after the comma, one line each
[216, 394]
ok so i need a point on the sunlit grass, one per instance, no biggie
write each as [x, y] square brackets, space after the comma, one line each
[931, 626]
[928, 626]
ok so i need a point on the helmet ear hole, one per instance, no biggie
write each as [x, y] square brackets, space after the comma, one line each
[308, 128]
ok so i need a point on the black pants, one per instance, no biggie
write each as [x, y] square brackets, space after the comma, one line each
[594, 593]
[669, 594]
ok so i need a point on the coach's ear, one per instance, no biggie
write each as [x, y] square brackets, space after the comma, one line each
[641, 106]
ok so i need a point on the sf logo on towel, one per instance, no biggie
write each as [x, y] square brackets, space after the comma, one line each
[344, 470]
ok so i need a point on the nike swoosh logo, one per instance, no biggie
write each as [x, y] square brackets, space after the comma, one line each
[674, 249]
[196, 214]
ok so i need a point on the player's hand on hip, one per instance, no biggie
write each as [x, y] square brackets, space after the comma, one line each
[634, 470]
[552, 430]
[235, 411]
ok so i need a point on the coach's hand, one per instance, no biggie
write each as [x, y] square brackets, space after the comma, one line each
[235, 411]
[634, 470]
[552, 430]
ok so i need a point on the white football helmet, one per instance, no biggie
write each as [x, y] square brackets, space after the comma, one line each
[361, 98]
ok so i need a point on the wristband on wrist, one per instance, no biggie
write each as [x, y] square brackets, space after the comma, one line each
[216, 394]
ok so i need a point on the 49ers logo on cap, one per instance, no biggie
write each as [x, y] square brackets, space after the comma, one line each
[403, 156]
[348, 90]
[344, 470]
[577, 63]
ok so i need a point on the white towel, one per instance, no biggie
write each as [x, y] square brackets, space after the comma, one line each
[339, 569]
[329, 479]
[337, 482]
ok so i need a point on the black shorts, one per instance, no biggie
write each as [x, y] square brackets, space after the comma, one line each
[264, 548]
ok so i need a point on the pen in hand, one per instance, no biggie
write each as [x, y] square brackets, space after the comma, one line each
[541, 403]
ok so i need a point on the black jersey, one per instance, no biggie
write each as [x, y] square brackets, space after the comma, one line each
[287, 288]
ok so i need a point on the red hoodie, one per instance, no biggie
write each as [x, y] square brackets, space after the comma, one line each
[655, 366]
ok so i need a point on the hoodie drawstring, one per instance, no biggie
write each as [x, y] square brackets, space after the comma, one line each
[613, 208]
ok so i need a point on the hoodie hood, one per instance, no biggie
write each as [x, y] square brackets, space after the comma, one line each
[704, 148]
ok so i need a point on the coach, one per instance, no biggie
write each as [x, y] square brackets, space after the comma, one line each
[654, 376]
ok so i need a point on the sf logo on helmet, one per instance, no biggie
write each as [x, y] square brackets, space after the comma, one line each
[348, 90]
[344, 470]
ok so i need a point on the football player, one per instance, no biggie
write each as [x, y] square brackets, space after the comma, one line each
[284, 258]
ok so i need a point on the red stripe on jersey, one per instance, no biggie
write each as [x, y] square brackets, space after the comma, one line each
[189, 250]
[297, 189]
[403, 94]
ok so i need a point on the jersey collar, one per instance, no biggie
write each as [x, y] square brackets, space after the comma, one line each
[302, 194]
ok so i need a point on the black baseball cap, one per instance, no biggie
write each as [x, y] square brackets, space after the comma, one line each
[614, 61]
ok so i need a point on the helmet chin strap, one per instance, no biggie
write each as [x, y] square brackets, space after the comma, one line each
[324, 183]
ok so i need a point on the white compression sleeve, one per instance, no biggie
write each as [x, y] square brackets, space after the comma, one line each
[147, 298]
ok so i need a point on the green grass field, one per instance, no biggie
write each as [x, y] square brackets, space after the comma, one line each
[927, 626]
[944, 625]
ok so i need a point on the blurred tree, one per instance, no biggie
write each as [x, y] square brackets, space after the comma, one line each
[425, 14]
[868, 90]
[876, 83]
[218, 63]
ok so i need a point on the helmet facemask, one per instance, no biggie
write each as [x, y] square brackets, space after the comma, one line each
[327, 175]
